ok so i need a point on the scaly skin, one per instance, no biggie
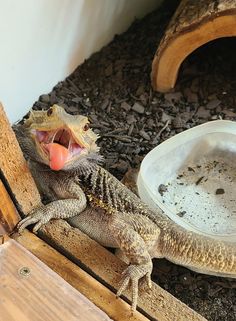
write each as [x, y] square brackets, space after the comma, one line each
[94, 201]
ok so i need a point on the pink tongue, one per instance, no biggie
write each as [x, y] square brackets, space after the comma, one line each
[58, 155]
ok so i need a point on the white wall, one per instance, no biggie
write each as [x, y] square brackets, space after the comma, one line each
[43, 41]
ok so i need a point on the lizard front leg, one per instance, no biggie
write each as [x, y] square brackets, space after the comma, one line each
[73, 202]
[135, 248]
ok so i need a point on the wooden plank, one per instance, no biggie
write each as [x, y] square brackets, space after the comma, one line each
[9, 216]
[2, 231]
[157, 303]
[117, 309]
[14, 168]
[30, 291]
[193, 25]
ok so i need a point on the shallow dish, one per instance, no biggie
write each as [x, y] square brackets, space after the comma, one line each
[192, 178]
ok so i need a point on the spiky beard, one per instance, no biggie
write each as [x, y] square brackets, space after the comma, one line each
[88, 164]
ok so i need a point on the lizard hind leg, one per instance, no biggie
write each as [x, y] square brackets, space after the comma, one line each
[135, 250]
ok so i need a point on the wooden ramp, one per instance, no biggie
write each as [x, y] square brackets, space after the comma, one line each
[193, 24]
[30, 291]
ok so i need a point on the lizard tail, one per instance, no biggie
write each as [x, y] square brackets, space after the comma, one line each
[201, 254]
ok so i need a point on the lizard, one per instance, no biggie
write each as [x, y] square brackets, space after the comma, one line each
[65, 162]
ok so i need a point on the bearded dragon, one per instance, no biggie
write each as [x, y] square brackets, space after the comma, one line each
[64, 160]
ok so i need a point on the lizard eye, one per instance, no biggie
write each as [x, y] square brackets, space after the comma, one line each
[49, 112]
[86, 127]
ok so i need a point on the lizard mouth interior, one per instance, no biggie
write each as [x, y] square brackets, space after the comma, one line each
[61, 137]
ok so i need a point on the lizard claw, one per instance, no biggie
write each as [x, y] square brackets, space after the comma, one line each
[37, 216]
[132, 274]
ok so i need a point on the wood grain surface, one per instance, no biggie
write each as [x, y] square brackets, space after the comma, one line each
[14, 168]
[8, 213]
[30, 291]
[193, 24]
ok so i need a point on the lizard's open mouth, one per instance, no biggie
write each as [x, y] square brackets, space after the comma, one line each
[59, 146]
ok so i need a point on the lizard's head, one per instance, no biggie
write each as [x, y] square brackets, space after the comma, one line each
[60, 140]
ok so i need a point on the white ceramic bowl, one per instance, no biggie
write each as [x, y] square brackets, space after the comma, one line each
[192, 178]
